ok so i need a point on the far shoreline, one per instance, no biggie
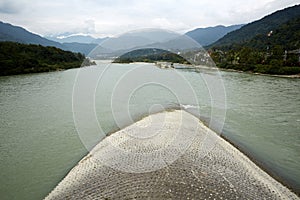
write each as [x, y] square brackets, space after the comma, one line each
[221, 69]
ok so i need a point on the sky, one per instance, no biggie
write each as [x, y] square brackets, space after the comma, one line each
[100, 18]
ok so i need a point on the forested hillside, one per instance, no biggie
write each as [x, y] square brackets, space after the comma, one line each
[16, 58]
[276, 51]
[260, 27]
[150, 55]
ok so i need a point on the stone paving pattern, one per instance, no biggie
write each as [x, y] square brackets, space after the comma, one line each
[169, 155]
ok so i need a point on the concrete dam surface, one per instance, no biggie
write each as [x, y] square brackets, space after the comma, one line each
[168, 155]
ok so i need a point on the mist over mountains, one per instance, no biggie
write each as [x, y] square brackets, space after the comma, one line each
[209, 35]
[18, 34]
[86, 39]
[85, 43]
[153, 38]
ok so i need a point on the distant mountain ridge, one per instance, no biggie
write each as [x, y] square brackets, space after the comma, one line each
[18, 34]
[259, 27]
[85, 44]
[12, 33]
[209, 35]
[142, 39]
[86, 39]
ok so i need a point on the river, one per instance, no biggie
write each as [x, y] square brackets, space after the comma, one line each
[43, 127]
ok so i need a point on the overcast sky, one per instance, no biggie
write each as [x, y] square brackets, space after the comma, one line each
[110, 17]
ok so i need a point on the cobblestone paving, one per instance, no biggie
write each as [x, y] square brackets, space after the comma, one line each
[169, 155]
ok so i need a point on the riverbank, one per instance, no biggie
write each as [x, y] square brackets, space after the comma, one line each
[255, 73]
[17, 58]
[184, 66]
[168, 155]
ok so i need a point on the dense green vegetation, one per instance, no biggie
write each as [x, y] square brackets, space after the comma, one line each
[276, 52]
[16, 58]
[259, 27]
[150, 55]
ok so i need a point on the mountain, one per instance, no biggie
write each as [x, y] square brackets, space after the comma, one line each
[259, 27]
[100, 40]
[12, 33]
[286, 36]
[179, 43]
[138, 39]
[18, 34]
[146, 38]
[154, 35]
[86, 39]
[209, 35]
[79, 47]
[267, 47]
[125, 42]
[73, 38]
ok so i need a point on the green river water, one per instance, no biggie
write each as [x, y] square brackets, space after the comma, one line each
[40, 143]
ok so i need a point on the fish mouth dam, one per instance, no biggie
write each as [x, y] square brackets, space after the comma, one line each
[167, 155]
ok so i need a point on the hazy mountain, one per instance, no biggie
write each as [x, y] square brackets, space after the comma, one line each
[125, 42]
[259, 27]
[180, 43]
[13, 33]
[138, 38]
[209, 35]
[79, 47]
[100, 40]
[117, 46]
[154, 35]
[77, 38]
[73, 38]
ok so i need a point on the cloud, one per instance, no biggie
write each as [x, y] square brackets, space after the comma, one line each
[106, 17]
[11, 7]
[89, 26]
